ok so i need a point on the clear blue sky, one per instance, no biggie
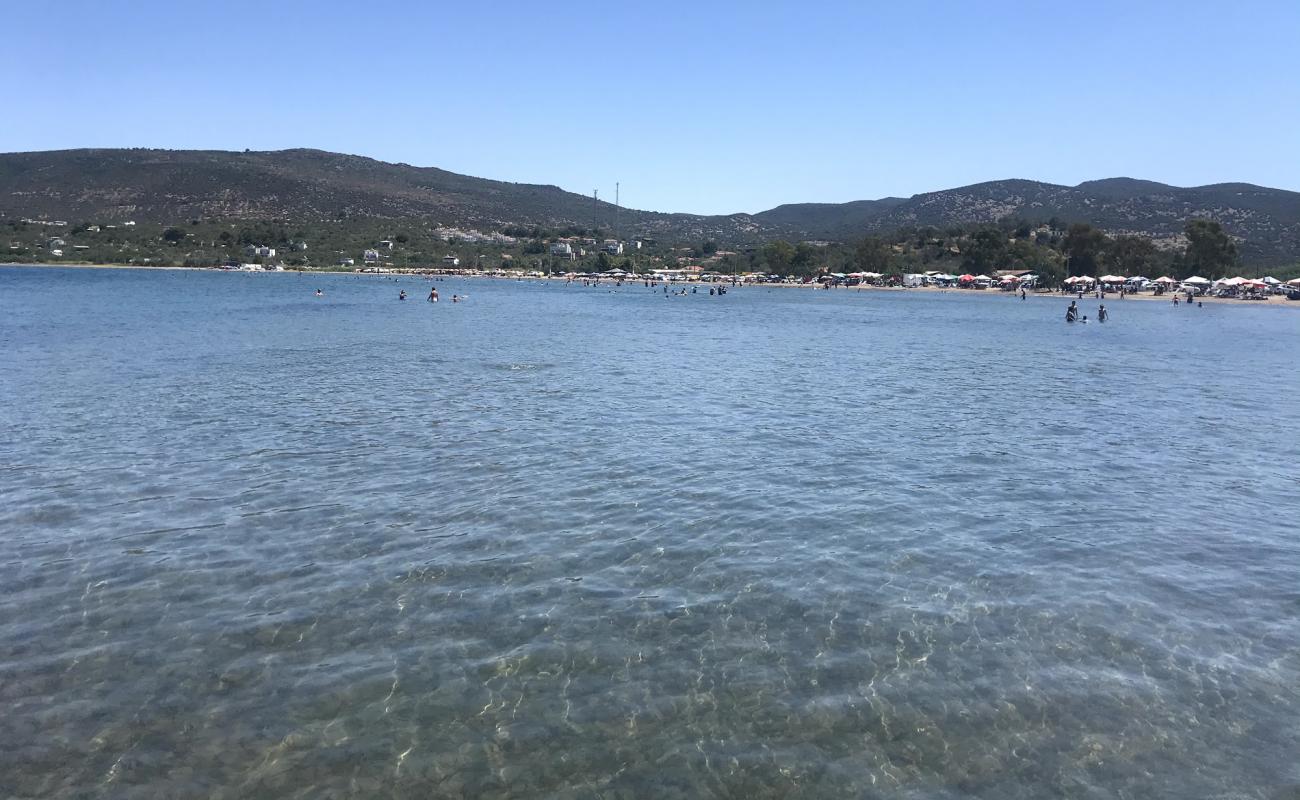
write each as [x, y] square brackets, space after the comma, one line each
[692, 106]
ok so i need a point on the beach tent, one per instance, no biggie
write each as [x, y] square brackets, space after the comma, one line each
[966, 278]
[1196, 280]
[1164, 279]
[1293, 282]
[1111, 279]
[1271, 281]
[872, 275]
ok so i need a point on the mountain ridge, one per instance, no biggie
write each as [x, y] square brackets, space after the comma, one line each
[302, 183]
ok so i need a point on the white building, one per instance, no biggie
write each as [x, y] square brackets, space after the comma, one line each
[262, 251]
[450, 261]
[613, 247]
[370, 256]
[562, 250]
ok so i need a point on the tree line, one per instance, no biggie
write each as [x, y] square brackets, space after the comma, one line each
[1052, 251]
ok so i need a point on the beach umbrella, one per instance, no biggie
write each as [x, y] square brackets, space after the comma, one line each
[1293, 282]
[966, 278]
[1196, 279]
[1272, 281]
[872, 275]
[1164, 279]
[983, 278]
[1111, 279]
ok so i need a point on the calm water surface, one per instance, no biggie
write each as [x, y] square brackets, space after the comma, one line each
[566, 542]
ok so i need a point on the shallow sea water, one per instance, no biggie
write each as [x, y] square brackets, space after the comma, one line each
[570, 542]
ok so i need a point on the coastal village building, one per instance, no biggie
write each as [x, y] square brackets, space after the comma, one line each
[562, 250]
[261, 251]
[613, 247]
[450, 261]
[370, 256]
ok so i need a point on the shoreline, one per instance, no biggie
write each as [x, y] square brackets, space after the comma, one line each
[1271, 300]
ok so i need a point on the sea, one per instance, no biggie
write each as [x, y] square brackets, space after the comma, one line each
[567, 541]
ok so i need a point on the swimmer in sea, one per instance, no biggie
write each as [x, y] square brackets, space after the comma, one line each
[319, 293]
[455, 298]
[401, 295]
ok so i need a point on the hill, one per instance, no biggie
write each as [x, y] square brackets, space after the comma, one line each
[167, 186]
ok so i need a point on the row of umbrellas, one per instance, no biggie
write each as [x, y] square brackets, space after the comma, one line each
[1194, 280]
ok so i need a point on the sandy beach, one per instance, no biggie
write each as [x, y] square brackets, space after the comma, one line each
[1271, 300]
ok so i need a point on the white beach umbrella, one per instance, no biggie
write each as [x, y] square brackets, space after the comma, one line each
[1272, 281]
[1197, 279]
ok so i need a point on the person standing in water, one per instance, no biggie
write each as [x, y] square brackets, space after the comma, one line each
[433, 294]
[1072, 313]
[1102, 314]
[401, 295]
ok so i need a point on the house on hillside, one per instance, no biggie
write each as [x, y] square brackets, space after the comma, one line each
[260, 251]
[450, 261]
[613, 247]
[562, 250]
[370, 256]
